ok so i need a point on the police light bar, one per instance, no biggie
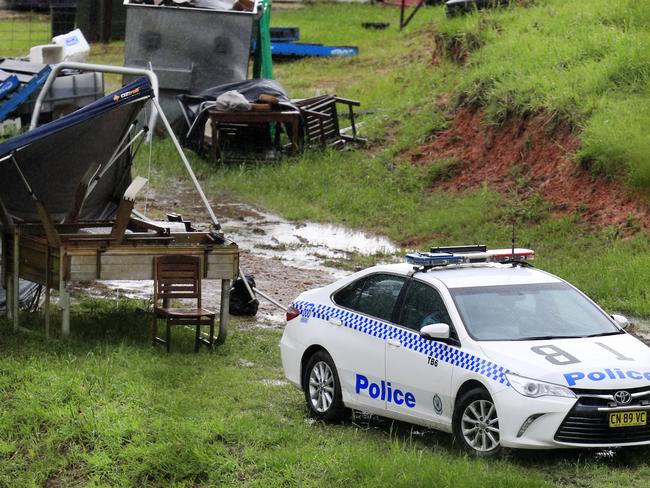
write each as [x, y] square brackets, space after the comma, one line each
[434, 259]
[500, 255]
[461, 249]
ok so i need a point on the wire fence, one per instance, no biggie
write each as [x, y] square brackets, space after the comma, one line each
[22, 28]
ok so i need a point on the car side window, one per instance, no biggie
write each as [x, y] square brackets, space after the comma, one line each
[423, 305]
[374, 295]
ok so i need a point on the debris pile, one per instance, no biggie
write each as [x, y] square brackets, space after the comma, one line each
[244, 121]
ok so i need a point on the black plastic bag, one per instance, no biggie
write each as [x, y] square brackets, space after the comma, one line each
[241, 302]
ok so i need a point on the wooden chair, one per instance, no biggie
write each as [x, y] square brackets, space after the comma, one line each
[179, 277]
[321, 120]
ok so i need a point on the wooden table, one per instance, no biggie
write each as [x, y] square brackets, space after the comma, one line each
[86, 257]
[290, 118]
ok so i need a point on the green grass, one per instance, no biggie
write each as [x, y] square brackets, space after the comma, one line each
[373, 194]
[107, 409]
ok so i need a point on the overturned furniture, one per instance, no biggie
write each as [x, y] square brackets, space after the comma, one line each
[66, 207]
[321, 120]
[241, 134]
[244, 134]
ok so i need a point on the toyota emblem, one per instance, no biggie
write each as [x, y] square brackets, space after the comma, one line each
[622, 397]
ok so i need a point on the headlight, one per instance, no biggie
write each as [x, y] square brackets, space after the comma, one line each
[534, 389]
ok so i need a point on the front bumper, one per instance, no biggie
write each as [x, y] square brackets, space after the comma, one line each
[514, 409]
[560, 423]
[588, 425]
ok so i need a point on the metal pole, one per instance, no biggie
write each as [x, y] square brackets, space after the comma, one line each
[109, 165]
[403, 23]
[168, 127]
[64, 297]
[16, 282]
[48, 279]
[186, 162]
[248, 287]
[101, 68]
[277, 304]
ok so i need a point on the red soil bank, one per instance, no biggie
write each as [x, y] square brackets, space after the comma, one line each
[530, 156]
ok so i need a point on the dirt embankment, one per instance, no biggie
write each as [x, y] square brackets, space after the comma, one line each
[530, 156]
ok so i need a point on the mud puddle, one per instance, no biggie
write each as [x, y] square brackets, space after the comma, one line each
[303, 245]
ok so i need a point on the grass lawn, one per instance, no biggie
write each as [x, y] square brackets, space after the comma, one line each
[106, 409]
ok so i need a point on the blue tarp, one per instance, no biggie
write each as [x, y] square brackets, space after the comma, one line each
[300, 50]
[137, 90]
[56, 157]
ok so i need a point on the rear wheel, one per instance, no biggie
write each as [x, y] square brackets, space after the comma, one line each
[476, 423]
[323, 389]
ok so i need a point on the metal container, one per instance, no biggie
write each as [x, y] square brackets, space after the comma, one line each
[190, 49]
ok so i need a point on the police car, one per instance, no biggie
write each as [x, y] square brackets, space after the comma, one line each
[474, 342]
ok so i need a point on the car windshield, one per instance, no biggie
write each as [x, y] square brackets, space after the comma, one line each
[529, 312]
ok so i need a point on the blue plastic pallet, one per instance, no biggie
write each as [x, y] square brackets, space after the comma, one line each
[298, 49]
[8, 86]
[22, 95]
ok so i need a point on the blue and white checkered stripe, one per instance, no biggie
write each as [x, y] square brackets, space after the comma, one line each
[410, 340]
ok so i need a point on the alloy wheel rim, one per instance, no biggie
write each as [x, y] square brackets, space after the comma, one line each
[321, 387]
[480, 425]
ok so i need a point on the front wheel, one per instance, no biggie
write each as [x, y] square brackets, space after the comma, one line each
[476, 424]
[323, 389]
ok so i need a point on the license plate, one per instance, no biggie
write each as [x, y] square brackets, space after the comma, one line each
[627, 419]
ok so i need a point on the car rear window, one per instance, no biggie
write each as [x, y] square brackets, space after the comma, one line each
[373, 295]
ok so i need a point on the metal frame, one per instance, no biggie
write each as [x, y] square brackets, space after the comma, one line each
[104, 68]
[101, 68]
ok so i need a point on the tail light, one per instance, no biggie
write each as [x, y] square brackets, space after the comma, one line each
[292, 313]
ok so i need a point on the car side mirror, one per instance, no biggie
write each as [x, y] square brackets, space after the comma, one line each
[621, 321]
[435, 332]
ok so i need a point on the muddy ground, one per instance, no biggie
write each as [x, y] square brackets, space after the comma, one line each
[285, 258]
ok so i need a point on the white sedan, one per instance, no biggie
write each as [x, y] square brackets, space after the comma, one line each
[473, 342]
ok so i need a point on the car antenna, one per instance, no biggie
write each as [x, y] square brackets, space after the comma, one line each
[514, 263]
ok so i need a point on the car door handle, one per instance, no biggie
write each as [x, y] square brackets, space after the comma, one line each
[394, 342]
[335, 321]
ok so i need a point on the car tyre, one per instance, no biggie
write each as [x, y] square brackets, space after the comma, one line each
[476, 424]
[322, 389]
